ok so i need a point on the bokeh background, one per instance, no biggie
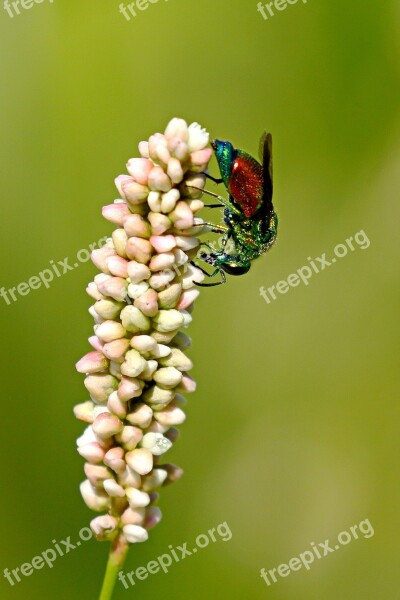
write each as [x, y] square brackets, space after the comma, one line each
[292, 435]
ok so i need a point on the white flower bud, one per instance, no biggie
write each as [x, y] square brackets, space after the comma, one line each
[94, 499]
[168, 320]
[140, 460]
[168, 377]
[113, 488]
[156, 443]
[135, 534]
[140, 415]
[103, 527]
[154, 480]
[134, 320]
[198, 137]
[134, 364]
[176, 358]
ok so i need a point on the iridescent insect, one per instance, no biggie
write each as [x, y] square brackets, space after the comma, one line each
[250, 222]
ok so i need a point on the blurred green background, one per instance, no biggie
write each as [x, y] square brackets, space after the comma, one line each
[292, 435]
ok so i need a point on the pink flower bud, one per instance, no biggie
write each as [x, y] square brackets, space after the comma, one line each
[84, 411]
[175, 170]
[116, 406]
[94, 499]
[131, 191]
[93, 291]
[187, 298]
[113, 489]
[114, 459]
[187, 385]
[159, 180]
[92, 452]
[144, 149]
[163, 243]
[139, 169]
[179, 149]
[136, 226]
[169, 297]
[138, 272]
[116, 349]
[147, 303]
[154, 140]
[140, 415]
[129, 388]
[100, 386]
[139, 249]
[115, 287]
[182, 216]
[99, 258]
[96, 474]
[133, 516]
[117, 266]
[162, 261]
[171, 415]
[140, 460]
[200, 158]
[106, 425]
[110, 330]
[116, 212]
[129, 437]
[159, 223]
[93, 362]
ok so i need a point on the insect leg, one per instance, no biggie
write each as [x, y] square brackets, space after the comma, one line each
[220, 198]
[217, 228]
[214, 179]
[223, 279]
[213, 228]
[201, 268]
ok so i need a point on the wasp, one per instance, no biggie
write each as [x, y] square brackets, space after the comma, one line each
[250, 222]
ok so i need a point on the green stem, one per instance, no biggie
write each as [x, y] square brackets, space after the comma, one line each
[116, 559]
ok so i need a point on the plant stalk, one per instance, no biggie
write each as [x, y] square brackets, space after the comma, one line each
[116, 559]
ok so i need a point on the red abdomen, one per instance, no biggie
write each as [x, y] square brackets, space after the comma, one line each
[246, 184]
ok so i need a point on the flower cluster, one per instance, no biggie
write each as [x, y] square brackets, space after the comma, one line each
[144, 295]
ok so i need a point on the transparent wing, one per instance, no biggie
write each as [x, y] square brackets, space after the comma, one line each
[265, 152]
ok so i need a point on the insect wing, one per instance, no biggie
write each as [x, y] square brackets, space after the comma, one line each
[266, 161]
